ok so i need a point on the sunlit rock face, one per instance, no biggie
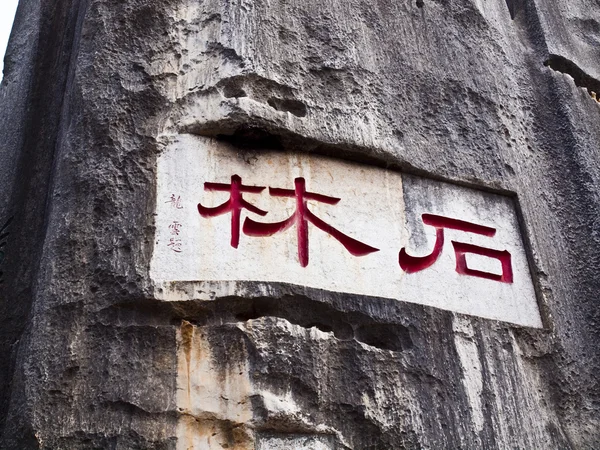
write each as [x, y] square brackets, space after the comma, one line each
[300, 225]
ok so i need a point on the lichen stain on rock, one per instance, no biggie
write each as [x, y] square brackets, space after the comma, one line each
[187, 334]
[213, 400]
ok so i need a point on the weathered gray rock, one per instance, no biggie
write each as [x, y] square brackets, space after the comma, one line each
[490, 94]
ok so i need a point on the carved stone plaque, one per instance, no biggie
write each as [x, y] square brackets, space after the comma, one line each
[226, 215]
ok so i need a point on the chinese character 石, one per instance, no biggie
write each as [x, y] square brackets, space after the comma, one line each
[411, 264]
[175, 228]
[235, 204]
[301, 217]
[175, 245]
[175, 201]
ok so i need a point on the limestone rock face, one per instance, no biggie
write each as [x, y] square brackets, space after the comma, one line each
[99, 352]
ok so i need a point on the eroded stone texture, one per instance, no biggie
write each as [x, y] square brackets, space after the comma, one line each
[495, 94]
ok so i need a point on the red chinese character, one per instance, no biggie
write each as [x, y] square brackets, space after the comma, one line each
[411, 264]
[175, 202]
[175, 245]
[175, 228]
[235, 204]
[300, 218]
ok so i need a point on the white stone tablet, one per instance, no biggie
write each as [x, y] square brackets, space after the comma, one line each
[226, 215]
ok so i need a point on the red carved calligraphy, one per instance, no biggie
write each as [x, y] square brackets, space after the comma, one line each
[175, 245]
[175, 201]
[301, 217]
[175, 228]
[411, 264]
[235, 204]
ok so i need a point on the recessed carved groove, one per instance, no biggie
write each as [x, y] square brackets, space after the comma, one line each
[581, 79]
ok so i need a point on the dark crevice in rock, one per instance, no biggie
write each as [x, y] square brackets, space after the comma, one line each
[320, 326]
[233, 87]
[214, 17]
[129, 408]
[320, 316]
[227, 53]
[511, 8]
[295, 107]
[296, 309]
[420, 3]
[4, 233]
[234, 92]
[258, 88]
[385, 336]
[4, 229]
[265, 135]
[581, 79]
[248, 137]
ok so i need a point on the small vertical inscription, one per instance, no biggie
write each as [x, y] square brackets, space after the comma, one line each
[295, 441]
[175, 242]
[4, 233]
[175, 201]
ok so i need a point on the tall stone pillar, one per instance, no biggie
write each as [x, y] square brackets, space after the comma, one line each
[297, 224]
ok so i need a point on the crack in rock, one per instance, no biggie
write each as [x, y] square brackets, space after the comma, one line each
[563, 65]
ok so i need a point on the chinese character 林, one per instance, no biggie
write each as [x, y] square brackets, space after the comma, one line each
[301, 217]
